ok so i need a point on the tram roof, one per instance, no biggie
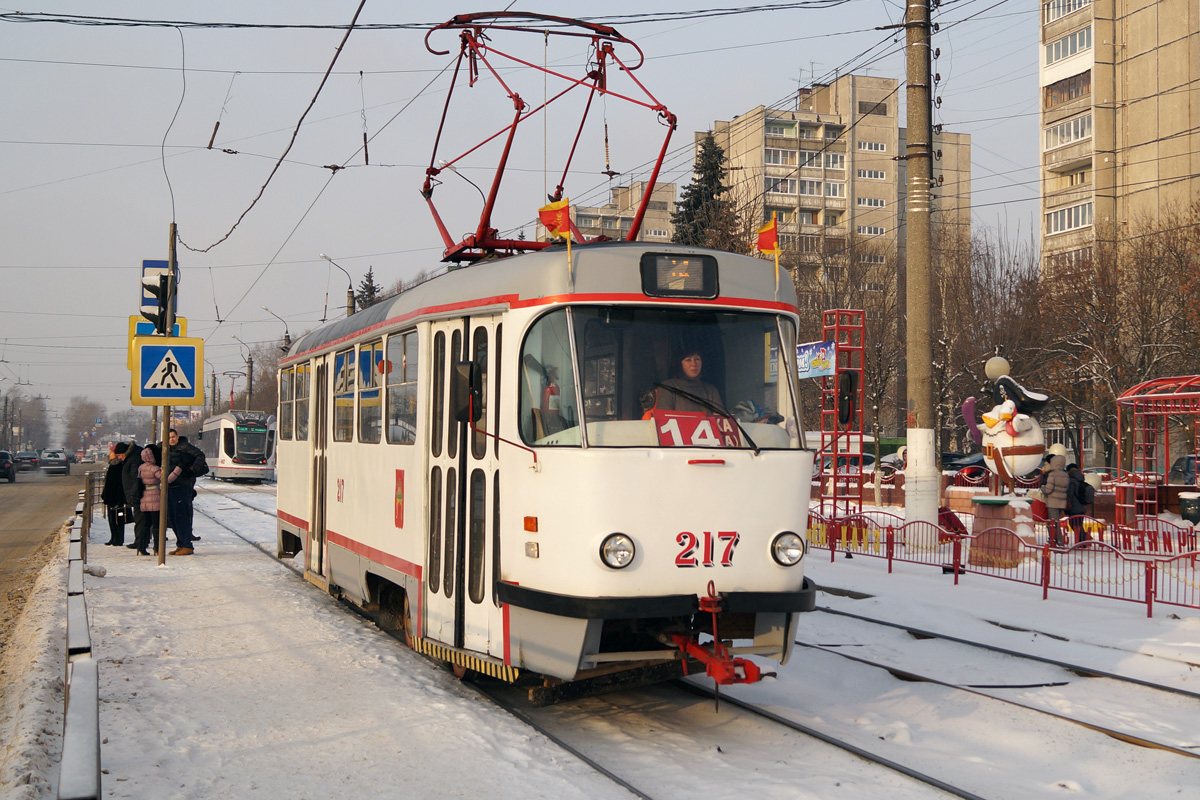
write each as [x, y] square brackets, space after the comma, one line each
[603, 273]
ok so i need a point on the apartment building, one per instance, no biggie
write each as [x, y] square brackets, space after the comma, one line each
[833, 172]
[1119, 117]
[615, 218]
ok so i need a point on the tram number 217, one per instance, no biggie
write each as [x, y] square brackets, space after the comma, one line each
[701, 551]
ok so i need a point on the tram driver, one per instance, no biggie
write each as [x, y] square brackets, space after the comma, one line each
[677, 392]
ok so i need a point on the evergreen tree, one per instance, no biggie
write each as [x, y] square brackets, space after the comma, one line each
[704, 217]
[369, 293]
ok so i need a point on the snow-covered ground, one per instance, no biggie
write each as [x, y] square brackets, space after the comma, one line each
[225, 675]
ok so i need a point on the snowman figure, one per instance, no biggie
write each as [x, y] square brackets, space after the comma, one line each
[1010, 435]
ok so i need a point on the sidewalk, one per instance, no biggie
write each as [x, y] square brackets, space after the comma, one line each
[224, 675]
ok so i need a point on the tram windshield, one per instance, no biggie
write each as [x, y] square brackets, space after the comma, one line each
[624, 376]
[252, 440]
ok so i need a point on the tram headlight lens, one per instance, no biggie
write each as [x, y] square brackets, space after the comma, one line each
[787, 549]
[617, 551]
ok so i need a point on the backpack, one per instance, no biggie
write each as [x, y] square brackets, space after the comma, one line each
[199, 462]
[1087, 493]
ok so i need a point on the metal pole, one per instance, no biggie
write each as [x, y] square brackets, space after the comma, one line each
[164, 485]
[921, 480]
[249, 380]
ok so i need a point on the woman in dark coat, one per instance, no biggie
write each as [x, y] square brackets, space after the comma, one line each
[113, 494]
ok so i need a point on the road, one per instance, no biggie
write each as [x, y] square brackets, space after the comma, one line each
[31, 511]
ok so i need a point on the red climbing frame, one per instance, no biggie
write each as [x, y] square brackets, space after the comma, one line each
[841, 417]
[1151, 404]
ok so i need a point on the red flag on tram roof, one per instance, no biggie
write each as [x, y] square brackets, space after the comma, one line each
[768, 237]
[556, 217]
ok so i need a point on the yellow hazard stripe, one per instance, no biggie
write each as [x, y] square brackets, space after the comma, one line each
[493, 669]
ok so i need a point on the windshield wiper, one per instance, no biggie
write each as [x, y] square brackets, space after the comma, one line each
[700, 401]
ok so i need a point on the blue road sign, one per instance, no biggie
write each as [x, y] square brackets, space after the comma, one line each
[167, 371]
[145, 327]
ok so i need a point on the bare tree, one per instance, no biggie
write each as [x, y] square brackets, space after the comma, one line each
[986, 304]
[852, 274]
[83, 420]
[1122, 315]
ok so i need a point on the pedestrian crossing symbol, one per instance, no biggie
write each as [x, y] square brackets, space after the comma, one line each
[166, 371]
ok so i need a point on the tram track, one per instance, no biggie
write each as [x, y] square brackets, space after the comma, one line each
[994, 691]
[512, 700]
[1080, 669]
[629, 714]
[398, 636]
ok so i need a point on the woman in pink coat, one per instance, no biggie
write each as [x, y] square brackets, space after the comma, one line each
[150, 475]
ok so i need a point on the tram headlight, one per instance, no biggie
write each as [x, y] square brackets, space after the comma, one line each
[787, 549]
[617, 551]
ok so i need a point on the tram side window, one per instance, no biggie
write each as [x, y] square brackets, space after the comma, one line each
[343, 396]
[227, 442]
[402, 388]
[286, 403]
[548, 407]
[479, 354]
[302, 387]
[370, 395]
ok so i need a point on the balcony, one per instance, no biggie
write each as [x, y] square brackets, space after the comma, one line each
[1068, 157]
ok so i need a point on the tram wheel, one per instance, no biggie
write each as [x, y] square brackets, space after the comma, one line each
[394, 615]
[408, 625]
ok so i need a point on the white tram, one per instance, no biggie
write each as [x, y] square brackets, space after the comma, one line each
[575, 529]
[240, 445]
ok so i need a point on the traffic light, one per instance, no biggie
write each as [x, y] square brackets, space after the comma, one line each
[158, 286]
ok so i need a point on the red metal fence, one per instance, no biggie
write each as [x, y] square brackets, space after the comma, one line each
[1154, 562]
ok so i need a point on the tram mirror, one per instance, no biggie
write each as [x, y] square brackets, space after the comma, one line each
[463, 391]
[619, 317]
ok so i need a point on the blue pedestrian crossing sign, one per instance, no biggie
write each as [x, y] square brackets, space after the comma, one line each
[167, 371]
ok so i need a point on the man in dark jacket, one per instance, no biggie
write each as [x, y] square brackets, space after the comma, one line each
[113, 494]
[1076, 508]
[179, 496]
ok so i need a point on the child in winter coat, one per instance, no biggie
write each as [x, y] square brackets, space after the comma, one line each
[150, 475]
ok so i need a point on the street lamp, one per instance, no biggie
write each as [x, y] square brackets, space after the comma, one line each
[233, 375]
[287, 337]
[349, 286]
[213, 371]
[249, 373]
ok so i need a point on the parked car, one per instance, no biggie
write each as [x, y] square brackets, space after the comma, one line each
[891, 464]
[54, 461]
[1183, 471]
[960, 461]
[8, 467]
[848, 465]
[26, 460]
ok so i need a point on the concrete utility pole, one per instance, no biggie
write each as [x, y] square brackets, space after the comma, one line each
[921, 479]
[249, 380]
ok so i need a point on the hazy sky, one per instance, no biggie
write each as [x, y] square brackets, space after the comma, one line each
[104, 141]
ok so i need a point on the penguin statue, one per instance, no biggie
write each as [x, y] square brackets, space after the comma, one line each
[1012, 441]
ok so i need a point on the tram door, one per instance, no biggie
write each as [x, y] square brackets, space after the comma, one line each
[315, 550]
[463, 483]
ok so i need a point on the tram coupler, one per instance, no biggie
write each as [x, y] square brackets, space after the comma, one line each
[719, 664]
[723, 668]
